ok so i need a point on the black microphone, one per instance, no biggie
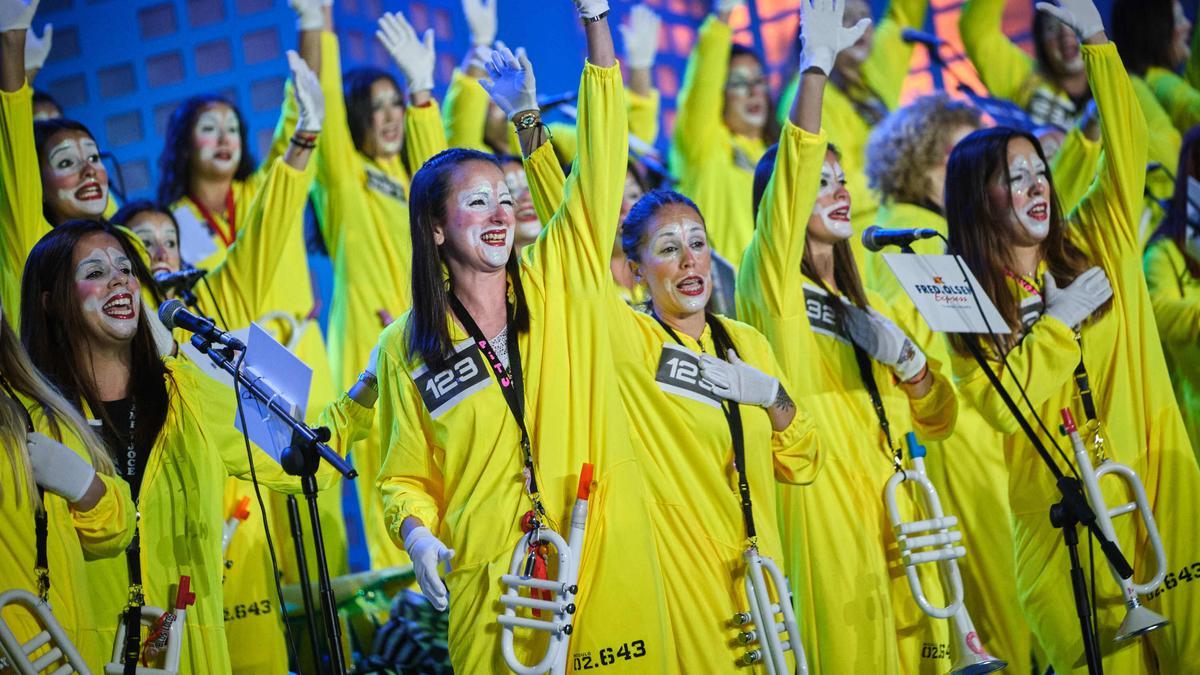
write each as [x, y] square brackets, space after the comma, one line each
[550, 101]
[174, 315]
[183, 280]
[912, 35]
[875, 238]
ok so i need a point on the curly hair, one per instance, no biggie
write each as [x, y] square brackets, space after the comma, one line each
[911, 141]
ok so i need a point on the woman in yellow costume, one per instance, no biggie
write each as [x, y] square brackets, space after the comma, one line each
[168, 426]
[1154, 37]
[60, 500]
[452, 480]
[1073, 293]
[1172, 265]
[906, 163]
[858, 374]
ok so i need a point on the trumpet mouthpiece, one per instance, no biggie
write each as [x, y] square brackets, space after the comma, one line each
[585, 482]
[1068, 421]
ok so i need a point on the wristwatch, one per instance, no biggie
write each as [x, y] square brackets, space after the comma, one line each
[527, 120]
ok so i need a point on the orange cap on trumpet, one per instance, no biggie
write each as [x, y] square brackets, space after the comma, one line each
[585, 482]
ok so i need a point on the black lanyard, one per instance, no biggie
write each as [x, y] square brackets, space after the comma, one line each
[41, 527]
[133, 558]
[722, 343]
[1085, 389]
[511, 386]
[868, 379]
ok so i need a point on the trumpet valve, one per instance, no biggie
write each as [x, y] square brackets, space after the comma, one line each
[752, 657]
[747, 637]
[742, 618]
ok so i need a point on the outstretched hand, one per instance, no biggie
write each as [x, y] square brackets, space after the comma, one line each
[310, 101]
[309, 14]
[16, 15]
[481, 20]
[414, 56]
[1081, 15]
[822, 34]
[37, 49]
[641, 37]
[510, 81]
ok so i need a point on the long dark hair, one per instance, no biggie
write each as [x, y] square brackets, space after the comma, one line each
[771, 129]
[43, 132]
[428, 331]
[356, 89]
[981, 233]
[175, 161]
[1144, 32]
[53, 330]
[1174, 224]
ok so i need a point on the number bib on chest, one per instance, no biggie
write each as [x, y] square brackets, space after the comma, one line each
[822, 316]
[679, 373]
[381, 183]
[444, 389]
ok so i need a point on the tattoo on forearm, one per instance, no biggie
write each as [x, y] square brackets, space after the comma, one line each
[782, 401]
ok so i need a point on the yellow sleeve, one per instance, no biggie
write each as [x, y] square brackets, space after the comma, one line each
[348, 422]
[795, 450]
[1164, 141]
[1044, 359]
[1191, 71]
[576, 244]
[21, 220]
[1178, 98]
[1178, 319]
[935, 414]
[1004, 68]
[107, 529]
[410, 478]
[546, 181]
[643, 115]
[1112, 210]
[1074, 168]
[565, 140]
[337, 170]
[465, 113]
[698, 120]
[423, 135]
[886, 67]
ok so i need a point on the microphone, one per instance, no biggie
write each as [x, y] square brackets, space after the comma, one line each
[912, 35]
[875, 238]
[174, 315]
[182, 281]
[551, 101]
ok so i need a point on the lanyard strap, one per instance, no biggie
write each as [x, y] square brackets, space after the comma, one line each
[868, 379]
[511, 386]
[133, 610]
[1023, 283]
[226, 237]
[41, 527]
[1085, 388]
[722, 343]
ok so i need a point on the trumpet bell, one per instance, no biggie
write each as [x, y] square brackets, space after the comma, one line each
[1139, 620]
[976, 664]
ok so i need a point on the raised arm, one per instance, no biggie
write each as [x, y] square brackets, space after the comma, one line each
[1003, 66]
[1177, 316]
[416, 59]
[699, 126]
[887, 65]
[465, 109]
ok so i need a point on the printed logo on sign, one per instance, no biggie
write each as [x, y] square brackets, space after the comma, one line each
[950, 295]
[381, 183]
[822, 316]
[444, 389]
[679, 374]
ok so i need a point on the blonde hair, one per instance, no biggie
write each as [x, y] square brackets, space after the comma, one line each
[20, 374]
[912, 140]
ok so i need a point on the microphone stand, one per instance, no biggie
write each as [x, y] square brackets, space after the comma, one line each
[1071, 510]
[301, 458]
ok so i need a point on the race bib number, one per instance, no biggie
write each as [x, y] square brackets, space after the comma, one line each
[679, 374]
[379, 182]
[821, 314]
[445, 389]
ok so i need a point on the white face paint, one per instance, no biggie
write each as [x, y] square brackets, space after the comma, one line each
[492, 241]
[108, 293]
[77, 177]
[833, 210]
[528, 225]
[217, 139]
[1029, 189]
[748, 92]
[677, 266]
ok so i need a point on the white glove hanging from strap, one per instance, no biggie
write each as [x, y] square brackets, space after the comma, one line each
[57, 469]
[510, 81]
[640, 36]
[481, 20]
[884, 342]
[310, 100]
[16, 15]
[1081, 15]
[37, 49]
[428, 553]
[822, 34]
[1075, 303]
[414, 57]
[736, 380]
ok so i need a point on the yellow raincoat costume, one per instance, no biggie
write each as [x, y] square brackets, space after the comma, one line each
[454, 459]
[1139, 419]
[855, 609]
[103, 531]
[1175, 296]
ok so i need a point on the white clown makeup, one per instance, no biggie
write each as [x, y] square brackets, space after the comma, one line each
[159, 236]
[833, 210]
[477, 203]
[387, 120]
[75, 178]
[676, 264]
[747, 92]
[108, 292]
[1029, 190]
[217, 139]
[528, 225]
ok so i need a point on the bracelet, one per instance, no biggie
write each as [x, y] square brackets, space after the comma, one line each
[527, 120]
[920, 377]
[304, 139]
[599, 17]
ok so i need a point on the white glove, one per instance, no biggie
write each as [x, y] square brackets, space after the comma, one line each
[724, 6]
[822, 34]
[476, 57]
[481, 20]
[1073, 304]
[16, 15]
[310, 101]
[427, 552]
[641, 37]
[883, 341]
[308, 14]
[591, 9]
[37, 49]
[510, 81]
[415, 57]
[1081, 15]
[736, 380]
[58, 469]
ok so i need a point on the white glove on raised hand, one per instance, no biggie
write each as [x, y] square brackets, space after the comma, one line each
[481, 20]
[640, 36]
[415, 57]
[1081, 15]
[591, 9]
[427, 553]
[37, 49]
[736, 380]
[58, 469]
[510, 81]
[1076, 302]
[16, 15]
[308, 14]
[310, 101]
[725, 6]
[883, 341]
[822, 34]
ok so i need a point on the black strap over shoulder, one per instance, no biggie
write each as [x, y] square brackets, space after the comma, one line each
[133, 610]
[41, 525]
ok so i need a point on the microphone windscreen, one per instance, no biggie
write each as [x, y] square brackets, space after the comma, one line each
[167, 310]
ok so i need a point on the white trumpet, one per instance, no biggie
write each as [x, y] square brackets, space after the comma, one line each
[939, 536]
[1138, 619]
[775, 630]
[563, 589]
[166, 636]
[61, 649]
